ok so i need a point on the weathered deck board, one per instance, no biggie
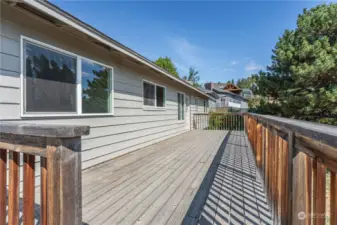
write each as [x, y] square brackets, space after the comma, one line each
[175, 160]
[200, 177]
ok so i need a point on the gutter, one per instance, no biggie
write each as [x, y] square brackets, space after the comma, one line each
[74, 22]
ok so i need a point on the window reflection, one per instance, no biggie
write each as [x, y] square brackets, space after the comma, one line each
[96, 88]
[50, 80]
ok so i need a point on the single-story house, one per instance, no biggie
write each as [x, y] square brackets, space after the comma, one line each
[56, 69]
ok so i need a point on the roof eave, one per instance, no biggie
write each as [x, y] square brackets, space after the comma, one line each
[56, 12]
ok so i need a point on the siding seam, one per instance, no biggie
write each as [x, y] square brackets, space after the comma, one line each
[142, 129]
[105, 145]
[9, 87]
[12, 39]
[5, 53]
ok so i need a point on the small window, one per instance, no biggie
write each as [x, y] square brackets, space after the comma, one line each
[181, 104]
[205, 106]
[153, 95]
[160, 96]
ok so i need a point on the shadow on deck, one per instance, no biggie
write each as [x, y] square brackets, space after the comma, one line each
[231, 192]
[200, 177]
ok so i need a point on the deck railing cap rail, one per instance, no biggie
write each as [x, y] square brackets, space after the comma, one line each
[220, 113]
[48, 131]
[320, 132]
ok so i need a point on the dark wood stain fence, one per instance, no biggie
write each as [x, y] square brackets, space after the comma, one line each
[298, 162]
[59, 149]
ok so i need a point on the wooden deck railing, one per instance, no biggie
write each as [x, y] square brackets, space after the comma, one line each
[58, 149]
[298, 162]
[218, 121]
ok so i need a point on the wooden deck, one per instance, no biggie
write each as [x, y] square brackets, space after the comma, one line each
[200, 177]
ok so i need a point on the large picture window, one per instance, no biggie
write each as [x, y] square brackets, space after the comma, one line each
[153, 95]
[60, 83]
[50, 80]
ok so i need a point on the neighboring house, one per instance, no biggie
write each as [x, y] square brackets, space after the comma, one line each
[212, 102]
[55, 69]
[247, 93]
[228, 97]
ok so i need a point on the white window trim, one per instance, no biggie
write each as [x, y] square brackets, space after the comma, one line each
[79, 59]
[153, 107]
[184, 105]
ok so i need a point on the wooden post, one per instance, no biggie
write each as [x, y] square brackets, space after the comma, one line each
[301, 190]
[64, 181]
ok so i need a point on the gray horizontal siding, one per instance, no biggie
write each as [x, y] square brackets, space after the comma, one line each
[9, 95]
[10, 62]
[10, 46]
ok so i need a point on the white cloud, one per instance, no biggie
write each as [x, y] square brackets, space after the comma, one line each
[187, 52]
[233, 62]
[252, 66]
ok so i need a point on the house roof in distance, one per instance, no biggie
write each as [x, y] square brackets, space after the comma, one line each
[67, 22]
[226, 92]
[232, 88]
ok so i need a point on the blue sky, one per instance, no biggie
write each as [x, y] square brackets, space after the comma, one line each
[224, 40]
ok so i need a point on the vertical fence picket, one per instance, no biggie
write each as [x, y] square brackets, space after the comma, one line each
[320, 195]
[279, 179]
[294, 169]
[28, 189]
[333, 199]
[43, 209]
[13, 192]
[3, 185]
[284, 183]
